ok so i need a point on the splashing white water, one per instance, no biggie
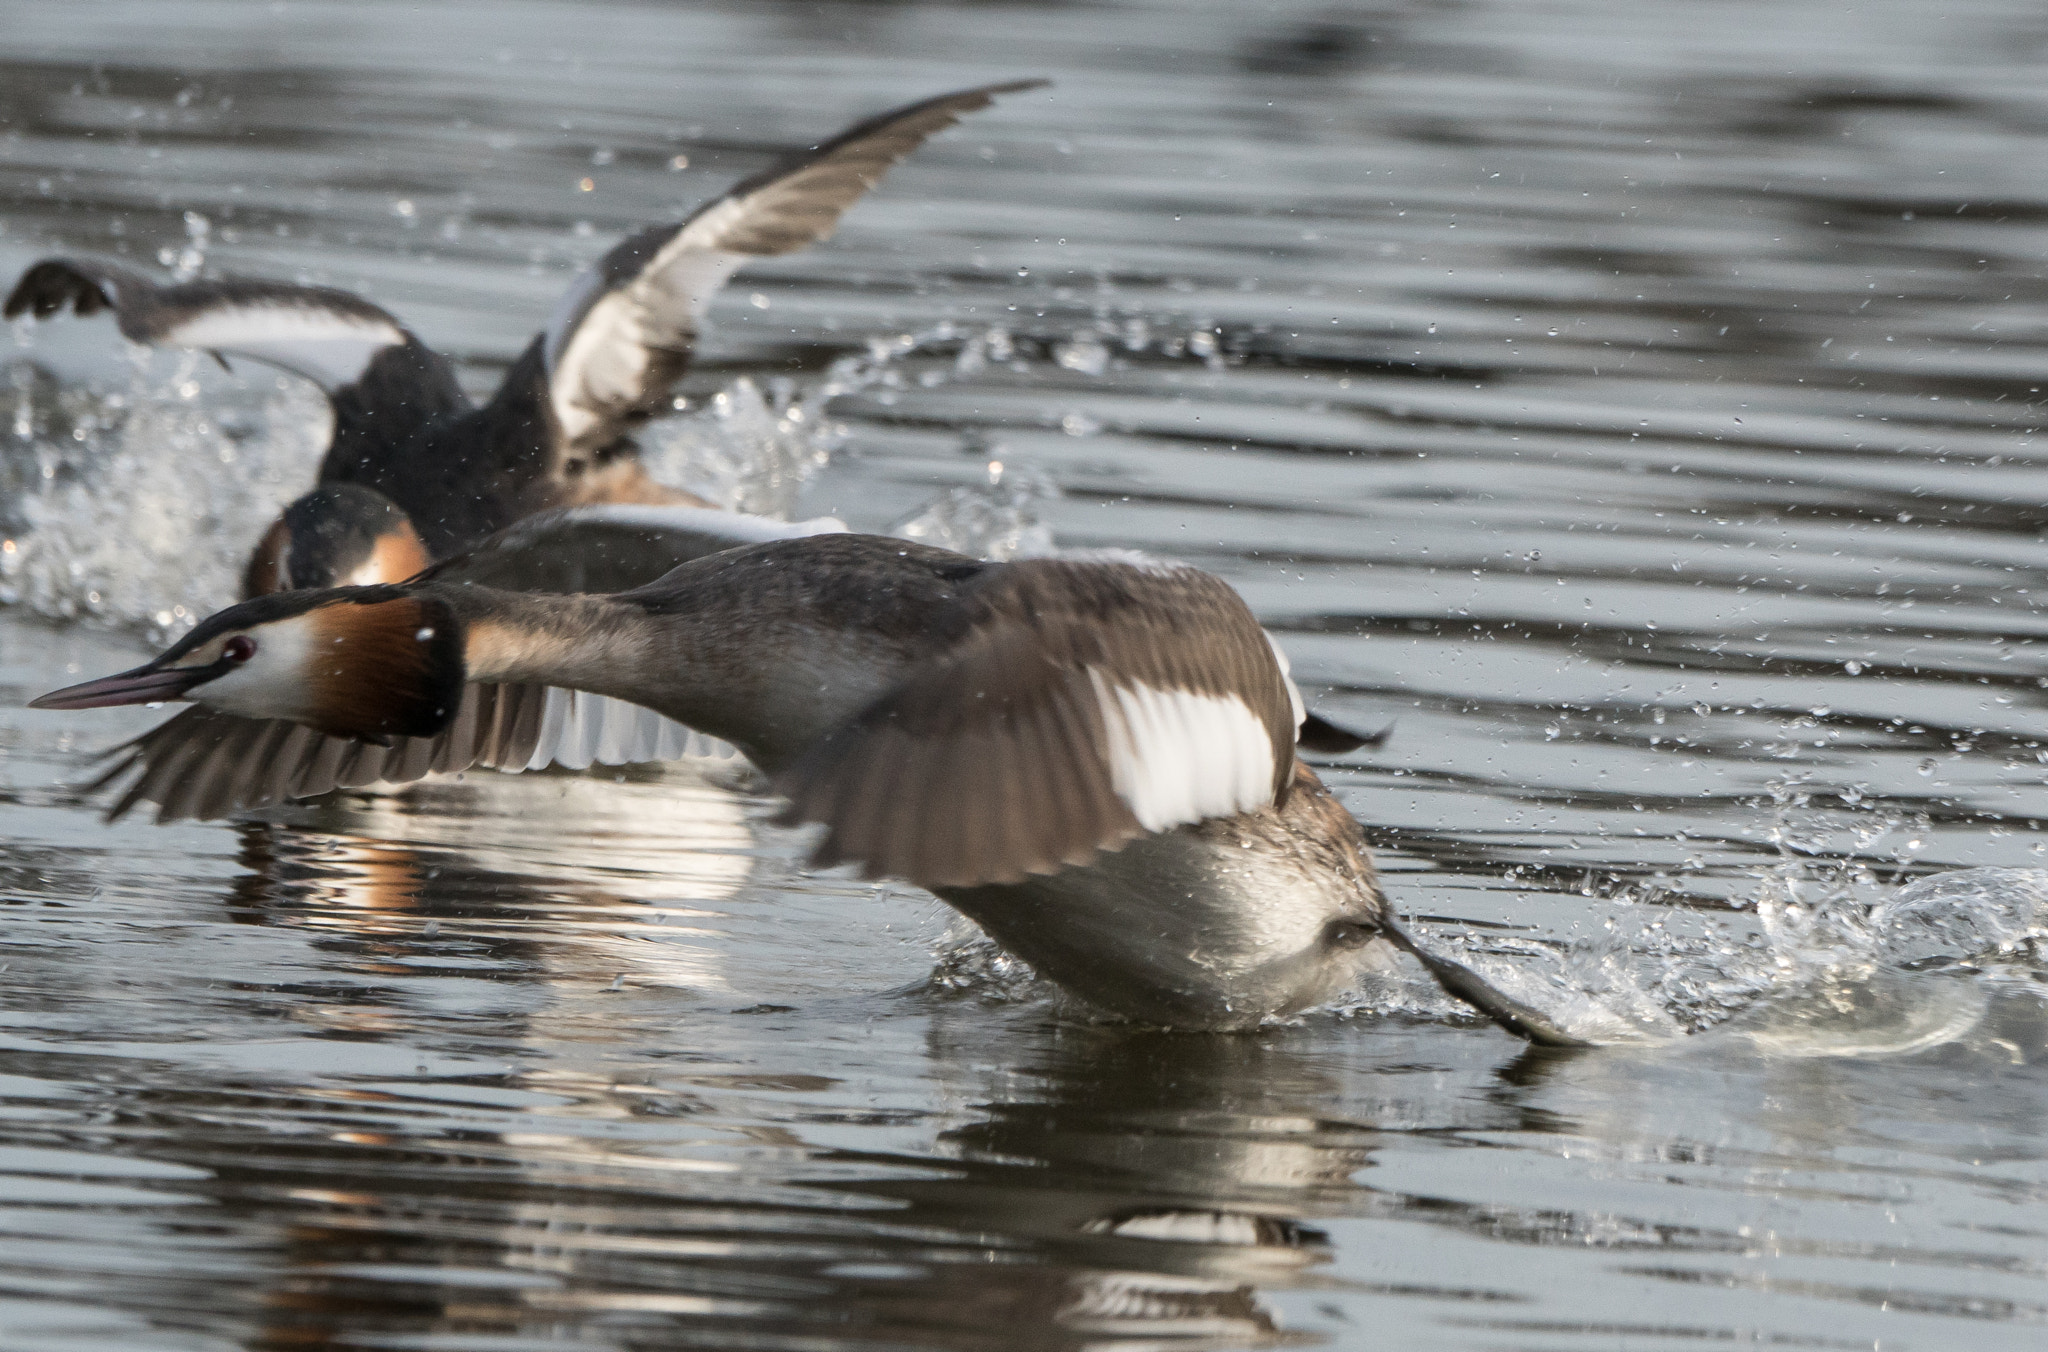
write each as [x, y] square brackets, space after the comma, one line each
[135, 509]
[748, 451]
[1831, 965]
[998, 520]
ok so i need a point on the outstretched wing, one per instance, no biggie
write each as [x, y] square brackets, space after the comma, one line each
[328, 336]
[1087, 703]
[624, 332]
[612, 548]
[208, 764]
[203, 764]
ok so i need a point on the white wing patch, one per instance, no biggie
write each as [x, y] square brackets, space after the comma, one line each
[327, 347]
[740, 527]
[1177, 757]
[1287, 675]
[579, 729]
[601, 365]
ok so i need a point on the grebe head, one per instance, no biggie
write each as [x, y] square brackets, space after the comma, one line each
[338, 535]
[365, 662]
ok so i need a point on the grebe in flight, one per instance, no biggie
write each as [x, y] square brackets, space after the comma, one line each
[1091, 757]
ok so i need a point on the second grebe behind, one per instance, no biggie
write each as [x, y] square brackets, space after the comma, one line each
[558, 431]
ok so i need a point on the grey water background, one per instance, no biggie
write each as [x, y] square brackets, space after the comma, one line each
[1636, 406]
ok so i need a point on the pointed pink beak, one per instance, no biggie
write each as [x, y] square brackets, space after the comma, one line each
[144, 685]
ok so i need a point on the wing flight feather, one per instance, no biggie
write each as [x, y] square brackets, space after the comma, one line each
[204, 764]
[624, 331]
[326, 335]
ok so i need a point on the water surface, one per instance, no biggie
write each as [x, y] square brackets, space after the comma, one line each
[1635, 406]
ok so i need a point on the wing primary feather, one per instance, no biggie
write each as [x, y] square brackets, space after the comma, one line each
[163, 777]
[625, 330]
[849, 814]
[316, 774]
[946, 777]
[1004, 794]
[890, 783]
[217, 781]
[524, 710]
[1046, 813]
[326, 335]
[412, 758]
[298, 744]
[907, 835]
[457, 747]
[1084, 779]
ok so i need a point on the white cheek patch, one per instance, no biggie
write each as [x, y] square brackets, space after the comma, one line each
[1177, 757]
[324, 346]
[273, 682]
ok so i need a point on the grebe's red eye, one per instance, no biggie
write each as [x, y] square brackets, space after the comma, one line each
[240, 648]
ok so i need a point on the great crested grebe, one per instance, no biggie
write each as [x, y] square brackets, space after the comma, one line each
[1092, 757]
[414, 471]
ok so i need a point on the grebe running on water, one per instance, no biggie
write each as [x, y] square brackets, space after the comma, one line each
[1091, 757]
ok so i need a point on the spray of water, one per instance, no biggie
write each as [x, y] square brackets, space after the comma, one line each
[997, 520]
[134, 506]
[1829, 955]
[751, 450]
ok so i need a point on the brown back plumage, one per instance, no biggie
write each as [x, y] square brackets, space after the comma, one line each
[993, 761]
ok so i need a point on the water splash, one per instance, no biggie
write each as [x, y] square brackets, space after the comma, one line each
[998, 520]
[1973, 917]
[188, 262]
[135, 509]
[750, 450]
[967, 962]
[1819, 964]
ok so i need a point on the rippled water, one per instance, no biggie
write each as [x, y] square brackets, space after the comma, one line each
[1634, 405]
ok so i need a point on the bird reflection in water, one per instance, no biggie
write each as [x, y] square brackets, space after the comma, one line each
[1146, 1194]
[491, 861]
[595, 1167]
[1140, 1187]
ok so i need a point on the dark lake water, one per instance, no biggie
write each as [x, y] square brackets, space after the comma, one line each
[1637, 406]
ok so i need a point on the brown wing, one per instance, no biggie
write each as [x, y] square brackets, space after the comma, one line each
[204, 764]
[1087, 703]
